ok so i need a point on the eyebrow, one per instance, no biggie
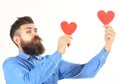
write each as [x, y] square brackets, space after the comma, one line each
[30, 28]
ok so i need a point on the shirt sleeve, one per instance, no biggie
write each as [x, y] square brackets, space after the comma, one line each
[16, 73]
[88, 70]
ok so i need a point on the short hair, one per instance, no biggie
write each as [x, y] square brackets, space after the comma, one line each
[16, 25]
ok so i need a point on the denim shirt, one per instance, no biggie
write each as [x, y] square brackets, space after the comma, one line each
[26, 69]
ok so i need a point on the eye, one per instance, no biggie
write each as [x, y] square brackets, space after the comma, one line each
[35, 30]
[28, 31]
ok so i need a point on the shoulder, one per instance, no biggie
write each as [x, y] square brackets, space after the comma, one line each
[9, 62]
[10, 59]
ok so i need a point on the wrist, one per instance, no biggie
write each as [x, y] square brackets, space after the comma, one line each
[107, 48]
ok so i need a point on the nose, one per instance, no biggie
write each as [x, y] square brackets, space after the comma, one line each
[35, 33]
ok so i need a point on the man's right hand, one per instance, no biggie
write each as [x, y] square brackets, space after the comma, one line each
[109, 37]
[63, 42]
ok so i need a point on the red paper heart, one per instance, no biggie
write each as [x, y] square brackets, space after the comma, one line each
[105, 18]
[68, 28]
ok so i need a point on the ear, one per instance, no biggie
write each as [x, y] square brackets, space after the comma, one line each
[16, 39]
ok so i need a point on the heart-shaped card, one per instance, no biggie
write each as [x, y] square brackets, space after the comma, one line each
[105, 17]
[68, 28]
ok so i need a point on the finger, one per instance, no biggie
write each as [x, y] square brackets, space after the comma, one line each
[109, 29]
[110, 32]
[107, 26]
[68, 42]
[109, 36]
[68, 36]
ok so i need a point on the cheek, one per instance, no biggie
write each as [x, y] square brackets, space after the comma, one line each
[26, 38]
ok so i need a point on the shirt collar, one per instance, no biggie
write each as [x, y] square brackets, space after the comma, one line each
[26, 56]
[23, 55]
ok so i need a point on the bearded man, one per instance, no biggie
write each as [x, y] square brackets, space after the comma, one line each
[29, 67]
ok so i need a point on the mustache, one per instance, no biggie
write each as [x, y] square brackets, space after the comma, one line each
[37, 38]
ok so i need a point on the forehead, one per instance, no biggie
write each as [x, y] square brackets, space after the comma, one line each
[27, 26]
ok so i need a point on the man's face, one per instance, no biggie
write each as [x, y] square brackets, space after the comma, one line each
[30, 42]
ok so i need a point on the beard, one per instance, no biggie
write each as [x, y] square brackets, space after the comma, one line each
[33, 47]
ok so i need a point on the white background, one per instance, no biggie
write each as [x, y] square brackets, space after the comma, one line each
[87, 41]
